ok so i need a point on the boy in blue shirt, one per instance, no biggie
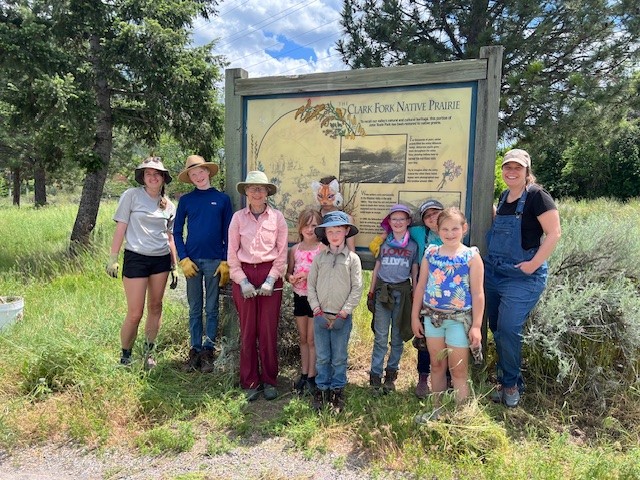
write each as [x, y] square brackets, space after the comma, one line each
[203, 258]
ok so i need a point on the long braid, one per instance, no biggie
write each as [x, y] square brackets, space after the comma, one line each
[163, 199]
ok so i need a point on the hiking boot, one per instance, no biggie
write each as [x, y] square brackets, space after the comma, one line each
[319, 399]
[311, 385]
[511, 396]
[193, 361]
[337, 400]
[207, 361]
[376, 384]
[422, 388]
[270, 392]
[300, 385]
[390, 378]
[496, 394]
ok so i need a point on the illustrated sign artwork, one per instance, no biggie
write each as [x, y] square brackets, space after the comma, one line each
[385, 146]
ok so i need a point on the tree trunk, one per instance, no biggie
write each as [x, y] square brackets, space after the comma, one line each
[15, 173]
[94, 180]
[40, 183]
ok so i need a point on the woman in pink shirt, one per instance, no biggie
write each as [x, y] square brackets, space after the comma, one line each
[257, 257]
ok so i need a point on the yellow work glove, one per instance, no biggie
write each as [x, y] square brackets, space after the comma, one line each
[374, 246]
[112, 266]
[188, 267]
[174, 278]
[223, 271]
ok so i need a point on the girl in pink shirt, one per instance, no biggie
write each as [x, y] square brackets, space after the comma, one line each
[300, 258]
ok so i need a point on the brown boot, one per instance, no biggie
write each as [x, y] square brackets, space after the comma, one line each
[319, 399]
[337, 400]
[390, 378]
[422, 388]
[193, 361]
[207, 361]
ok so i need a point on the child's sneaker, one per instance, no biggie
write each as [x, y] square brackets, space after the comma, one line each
[511, 396]
[300, 385]
[149, 363]
[125, 361]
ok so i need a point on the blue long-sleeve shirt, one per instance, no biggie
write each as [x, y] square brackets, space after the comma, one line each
[207, 214]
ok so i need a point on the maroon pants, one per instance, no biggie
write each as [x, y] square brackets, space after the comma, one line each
[259, 317]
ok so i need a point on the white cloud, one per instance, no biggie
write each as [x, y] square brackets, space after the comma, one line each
[276, 37]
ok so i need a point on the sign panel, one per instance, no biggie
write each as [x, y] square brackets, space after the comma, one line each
[385, 146]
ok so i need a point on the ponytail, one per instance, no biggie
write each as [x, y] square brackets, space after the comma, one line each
[163, 199]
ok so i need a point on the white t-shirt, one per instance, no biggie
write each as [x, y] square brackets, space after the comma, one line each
[148, 226]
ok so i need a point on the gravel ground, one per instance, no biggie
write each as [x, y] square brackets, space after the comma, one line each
[271, 458]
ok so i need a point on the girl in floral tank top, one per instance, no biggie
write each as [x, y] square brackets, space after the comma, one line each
[448, 305]
[300, 258]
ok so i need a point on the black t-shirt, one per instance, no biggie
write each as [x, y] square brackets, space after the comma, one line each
[538, 201]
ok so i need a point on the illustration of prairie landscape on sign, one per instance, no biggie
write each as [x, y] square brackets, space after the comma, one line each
[385, 147]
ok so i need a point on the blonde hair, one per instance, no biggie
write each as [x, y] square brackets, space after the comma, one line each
[305, 217]
[451, 212]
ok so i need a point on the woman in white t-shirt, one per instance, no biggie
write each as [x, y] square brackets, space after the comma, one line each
[144, 219]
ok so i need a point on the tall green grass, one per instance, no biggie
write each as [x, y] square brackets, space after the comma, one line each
[60, 382]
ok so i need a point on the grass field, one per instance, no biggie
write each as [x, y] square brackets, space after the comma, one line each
[59, 381]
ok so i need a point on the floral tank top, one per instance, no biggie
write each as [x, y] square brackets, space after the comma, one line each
[302, 264]
[448, 282]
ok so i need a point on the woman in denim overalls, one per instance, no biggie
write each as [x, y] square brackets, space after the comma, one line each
[516, 266]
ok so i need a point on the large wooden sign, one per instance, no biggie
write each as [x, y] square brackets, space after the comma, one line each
[390, 135]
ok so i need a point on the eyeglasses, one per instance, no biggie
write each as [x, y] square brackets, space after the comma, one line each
[255, 189]
[398, 220]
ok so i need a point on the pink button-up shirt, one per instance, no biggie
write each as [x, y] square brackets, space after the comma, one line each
[259, 240]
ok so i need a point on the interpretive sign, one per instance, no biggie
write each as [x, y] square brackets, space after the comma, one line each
[390, 135]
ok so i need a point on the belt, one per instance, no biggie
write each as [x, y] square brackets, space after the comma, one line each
[437, 317]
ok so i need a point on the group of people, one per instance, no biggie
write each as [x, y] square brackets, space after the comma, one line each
[425, 284]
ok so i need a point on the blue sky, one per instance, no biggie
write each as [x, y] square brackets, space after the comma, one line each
[276, 37]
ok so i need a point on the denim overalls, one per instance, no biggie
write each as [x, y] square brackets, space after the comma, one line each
[510, 294]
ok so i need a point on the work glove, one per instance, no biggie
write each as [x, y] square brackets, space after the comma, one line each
[248, 290]
[189, 268]
[266, 288]
[223, 271]
[112, 266]
[174, 278]
[374, 246]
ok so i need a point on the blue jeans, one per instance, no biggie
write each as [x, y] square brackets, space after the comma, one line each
[383, 320]
[195, 295]
[331, 353]
[509, 300]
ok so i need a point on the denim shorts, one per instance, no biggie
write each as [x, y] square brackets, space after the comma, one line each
[136, 265]
[451, 330]
[301, 307]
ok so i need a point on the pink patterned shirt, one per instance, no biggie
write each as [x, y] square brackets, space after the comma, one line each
[302, 264]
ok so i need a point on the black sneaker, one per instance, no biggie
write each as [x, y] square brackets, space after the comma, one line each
[125, 361]
[193, 361]
[337, 400]
[300, 385]
[207, 361]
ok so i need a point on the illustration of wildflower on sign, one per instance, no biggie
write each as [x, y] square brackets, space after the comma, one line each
[333, 121]
[451, 172]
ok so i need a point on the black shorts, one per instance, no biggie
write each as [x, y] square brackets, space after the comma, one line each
[301, 306]
[136, 265]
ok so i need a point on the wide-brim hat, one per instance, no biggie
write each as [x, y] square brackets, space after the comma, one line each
[257, 177]
[194, 161]
[517, 155]
[386, 224]
[156, 164]
[335, 219]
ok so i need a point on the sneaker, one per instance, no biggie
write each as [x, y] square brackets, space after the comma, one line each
[270, 392]
[337, 400]
[424, 418]
[193, 361]
[311, 385]
[511, 396]
[207, 361]
[319, 399]
[149, 363]
[251, 394]
[496, 394]
[422, 388]
[125, 361]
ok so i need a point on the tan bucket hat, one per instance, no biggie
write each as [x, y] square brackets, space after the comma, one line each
[156, 164]
[257, 177]
[196, 161]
